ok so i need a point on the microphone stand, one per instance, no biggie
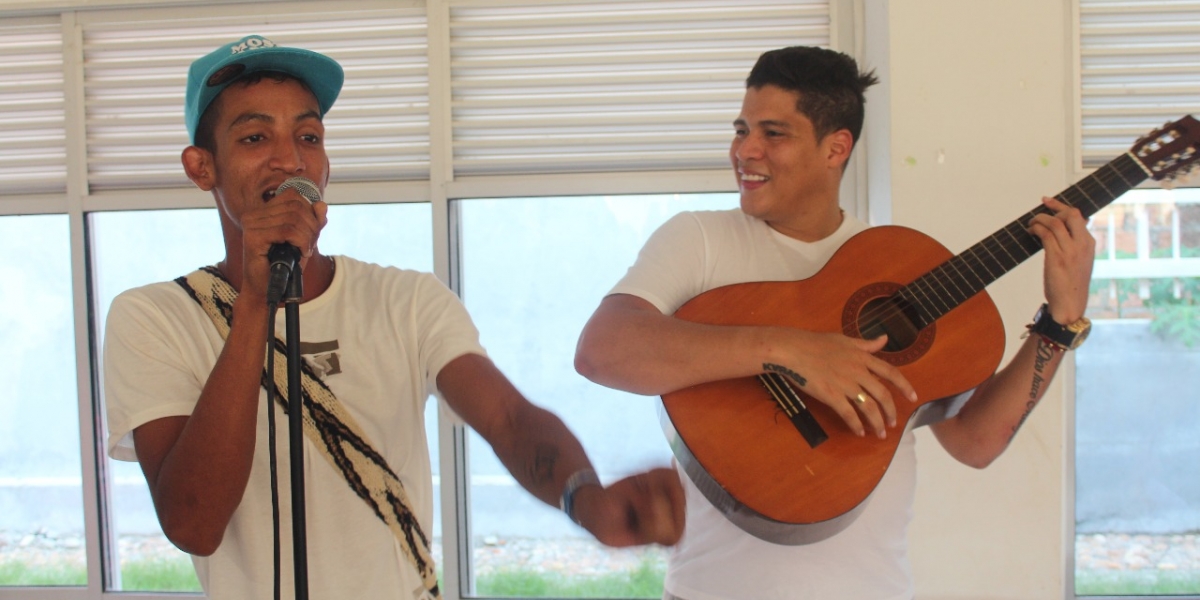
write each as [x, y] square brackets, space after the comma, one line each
[295, 292]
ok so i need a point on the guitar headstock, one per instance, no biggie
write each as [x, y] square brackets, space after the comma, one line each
[1170, 151]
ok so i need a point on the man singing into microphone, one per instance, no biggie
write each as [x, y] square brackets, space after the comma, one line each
[185, 380]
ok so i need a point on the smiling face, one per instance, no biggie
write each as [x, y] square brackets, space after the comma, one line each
[264, 132]
[787, 177]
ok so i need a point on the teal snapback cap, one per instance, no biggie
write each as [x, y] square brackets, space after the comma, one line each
[210, 74]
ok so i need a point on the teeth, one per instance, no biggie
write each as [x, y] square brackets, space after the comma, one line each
[267, 195]
[753, 177]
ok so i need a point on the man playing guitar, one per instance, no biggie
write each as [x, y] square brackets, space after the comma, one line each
[801, 116]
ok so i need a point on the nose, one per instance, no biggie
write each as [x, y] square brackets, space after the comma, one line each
[286, 156]
[747, 147]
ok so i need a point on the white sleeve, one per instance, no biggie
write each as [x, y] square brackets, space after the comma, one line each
[670, 269]
[145, 374]
[445, 330]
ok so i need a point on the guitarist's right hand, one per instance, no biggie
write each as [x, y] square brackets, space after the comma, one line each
[842, 373]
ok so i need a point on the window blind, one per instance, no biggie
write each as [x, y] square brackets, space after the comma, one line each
[136, 70]
[1139, 68]
[573, 86]
[33, 155]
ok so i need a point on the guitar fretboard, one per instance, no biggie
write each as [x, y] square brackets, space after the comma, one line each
[953, 282]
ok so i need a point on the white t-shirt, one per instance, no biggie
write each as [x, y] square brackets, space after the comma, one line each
[378, 338]
[698, 251]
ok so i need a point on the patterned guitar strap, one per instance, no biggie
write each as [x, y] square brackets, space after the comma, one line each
[331, 429]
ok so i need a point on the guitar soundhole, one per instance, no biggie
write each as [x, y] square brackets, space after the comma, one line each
[873, 311]
[882, 316]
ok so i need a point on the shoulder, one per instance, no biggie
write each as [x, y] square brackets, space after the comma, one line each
[732, 218]
[711, 226]
[357, 271]
[165, 297]
[372, 280]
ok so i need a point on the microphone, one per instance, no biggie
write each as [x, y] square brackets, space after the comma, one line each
[284, 257]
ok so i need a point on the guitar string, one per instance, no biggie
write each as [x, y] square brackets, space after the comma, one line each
[1079, 188]
[1111, 171]
[772, 382]
[938, 274]
[787, 398]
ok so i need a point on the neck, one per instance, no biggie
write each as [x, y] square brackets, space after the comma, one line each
[318, 275]
[812, 226]
[318, 271]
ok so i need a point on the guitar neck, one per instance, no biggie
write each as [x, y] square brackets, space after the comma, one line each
[955, 281]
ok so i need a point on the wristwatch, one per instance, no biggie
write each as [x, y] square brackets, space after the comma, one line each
[1066, 337]
[578, 479]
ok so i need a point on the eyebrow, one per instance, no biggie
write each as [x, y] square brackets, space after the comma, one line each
[767, 123]
[265, 118]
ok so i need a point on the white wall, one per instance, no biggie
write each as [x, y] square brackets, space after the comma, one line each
[975, 126]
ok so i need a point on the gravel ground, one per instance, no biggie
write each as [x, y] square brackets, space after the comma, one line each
[1125, 552]
[572, 556]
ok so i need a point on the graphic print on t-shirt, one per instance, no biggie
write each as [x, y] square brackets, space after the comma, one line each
[322, 357]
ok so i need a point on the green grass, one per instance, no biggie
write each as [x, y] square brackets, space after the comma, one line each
[167, 575]
[160, 575]
[643, 582]
[177, 575]
[13, 573]
[1133, 583]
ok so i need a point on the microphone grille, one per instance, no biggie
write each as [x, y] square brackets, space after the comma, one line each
[307, 188]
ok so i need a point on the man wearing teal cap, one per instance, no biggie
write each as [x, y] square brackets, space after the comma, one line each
[185, 378]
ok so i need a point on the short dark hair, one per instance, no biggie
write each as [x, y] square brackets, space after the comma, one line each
[829, 83]
[206, 127]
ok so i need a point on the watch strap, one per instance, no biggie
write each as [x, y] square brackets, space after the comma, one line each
[578, 479]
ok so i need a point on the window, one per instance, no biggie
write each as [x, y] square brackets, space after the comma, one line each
[1136, 512]
[1138, 537]
[40, 480]
[463, 126]
[533, 270]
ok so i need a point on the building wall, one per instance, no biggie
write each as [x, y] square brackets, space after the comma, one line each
[976, 126]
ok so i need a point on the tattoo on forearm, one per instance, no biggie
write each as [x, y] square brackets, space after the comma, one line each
[782, 370]
[1045, 352]
[544, 458]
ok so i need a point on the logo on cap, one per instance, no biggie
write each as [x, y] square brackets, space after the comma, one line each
[231, 71]
[252, 43]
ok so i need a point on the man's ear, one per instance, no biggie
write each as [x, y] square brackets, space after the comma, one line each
[838, 146]
[198, 164]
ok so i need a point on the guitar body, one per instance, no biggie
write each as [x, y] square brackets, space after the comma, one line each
[732, 434]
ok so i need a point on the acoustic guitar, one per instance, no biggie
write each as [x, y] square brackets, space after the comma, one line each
[783, 466]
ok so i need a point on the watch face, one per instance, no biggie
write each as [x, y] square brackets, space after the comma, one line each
[1069, 336]
[1081, 329]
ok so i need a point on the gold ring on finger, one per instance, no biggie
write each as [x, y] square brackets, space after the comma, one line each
[861, 398]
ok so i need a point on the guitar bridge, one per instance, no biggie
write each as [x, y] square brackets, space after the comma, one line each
[794, 407]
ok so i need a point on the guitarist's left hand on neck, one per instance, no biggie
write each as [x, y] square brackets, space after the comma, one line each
[1070, 254]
